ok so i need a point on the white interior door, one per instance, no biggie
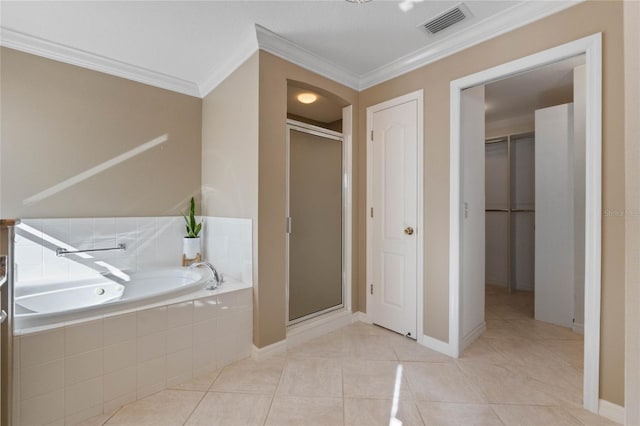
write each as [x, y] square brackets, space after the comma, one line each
[472, 230]
[394, 218]
[554, 247]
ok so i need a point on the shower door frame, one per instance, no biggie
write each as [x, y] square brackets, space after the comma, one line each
[293, 125]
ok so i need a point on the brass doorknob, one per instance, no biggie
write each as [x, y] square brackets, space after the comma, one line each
[408, 230]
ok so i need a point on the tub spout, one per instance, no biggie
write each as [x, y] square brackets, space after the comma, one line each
[216, 278]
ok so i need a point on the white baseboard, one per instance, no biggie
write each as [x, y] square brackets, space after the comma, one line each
[274, 349]
[578, 328]
[362, 317]
[305, 331]
[473, 335]
[436, 345]
[611, 411]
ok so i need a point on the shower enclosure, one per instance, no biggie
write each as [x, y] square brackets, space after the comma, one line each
[7, 235]
[315, 221]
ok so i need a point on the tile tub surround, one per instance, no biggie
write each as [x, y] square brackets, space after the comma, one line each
[71, 373]
[151, 242]
[228, 245]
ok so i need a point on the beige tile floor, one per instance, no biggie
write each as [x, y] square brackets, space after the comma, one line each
[520, 372]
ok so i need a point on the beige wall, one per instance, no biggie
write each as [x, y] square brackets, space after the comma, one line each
[230, 145]
[632, 186]
[59, 120]
[230, 152]
[271, 300]
[579, 21]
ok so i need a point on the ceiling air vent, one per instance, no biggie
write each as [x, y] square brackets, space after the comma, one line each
[446, 19]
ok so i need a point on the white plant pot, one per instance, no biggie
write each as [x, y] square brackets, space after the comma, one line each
[191, 247]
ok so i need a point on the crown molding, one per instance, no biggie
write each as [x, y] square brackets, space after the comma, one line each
[244, 52]
[508, 20]
[292, 52]
[70, 55]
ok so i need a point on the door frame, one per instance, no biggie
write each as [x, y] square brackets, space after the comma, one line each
[417, 96]
[346, 215]
[591, 46]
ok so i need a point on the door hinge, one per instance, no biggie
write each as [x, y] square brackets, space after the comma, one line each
[288, 225]
[372, 136]
[371, 289]
[371, 212]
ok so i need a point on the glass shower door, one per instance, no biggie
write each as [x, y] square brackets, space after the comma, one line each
[315, 278]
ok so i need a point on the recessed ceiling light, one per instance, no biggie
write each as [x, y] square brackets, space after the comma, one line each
[307, 98]
[407, 5]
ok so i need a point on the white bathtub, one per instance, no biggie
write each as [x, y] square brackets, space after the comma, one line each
[50, 302]
[156, 331]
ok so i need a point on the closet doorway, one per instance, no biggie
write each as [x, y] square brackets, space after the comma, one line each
[535, 257]
[467, 199]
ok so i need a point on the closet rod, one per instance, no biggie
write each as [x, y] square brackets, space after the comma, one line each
[522, 135]
[499, 140]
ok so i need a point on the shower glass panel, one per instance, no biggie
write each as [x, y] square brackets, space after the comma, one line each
[316, 224]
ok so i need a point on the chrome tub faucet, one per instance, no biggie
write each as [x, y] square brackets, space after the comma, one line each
[216, 278]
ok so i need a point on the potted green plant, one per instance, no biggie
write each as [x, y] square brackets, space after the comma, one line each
[191, 242]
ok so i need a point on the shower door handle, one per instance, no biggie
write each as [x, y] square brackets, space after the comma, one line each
[3, 316]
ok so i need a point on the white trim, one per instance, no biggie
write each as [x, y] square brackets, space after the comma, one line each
[631, 14]
[611, 411]
[290, 51]
[436, 345]
[473, 335]
[274, 349]
[591, 46]
[224, 70]
[510, 19]
[347, 135]
[361, 317]
[417, 96]
[70, 55]
[316, 327]
[420, 221]
[577, 328]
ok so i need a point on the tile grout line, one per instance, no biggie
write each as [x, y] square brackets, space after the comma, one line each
[344, 400]
[414, 401]
[195, 407]
[275, 391]
[213, 382]
[116, 411]
[496, 414]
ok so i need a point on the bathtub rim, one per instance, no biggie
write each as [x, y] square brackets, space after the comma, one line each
[169, 272]
[230, 285]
